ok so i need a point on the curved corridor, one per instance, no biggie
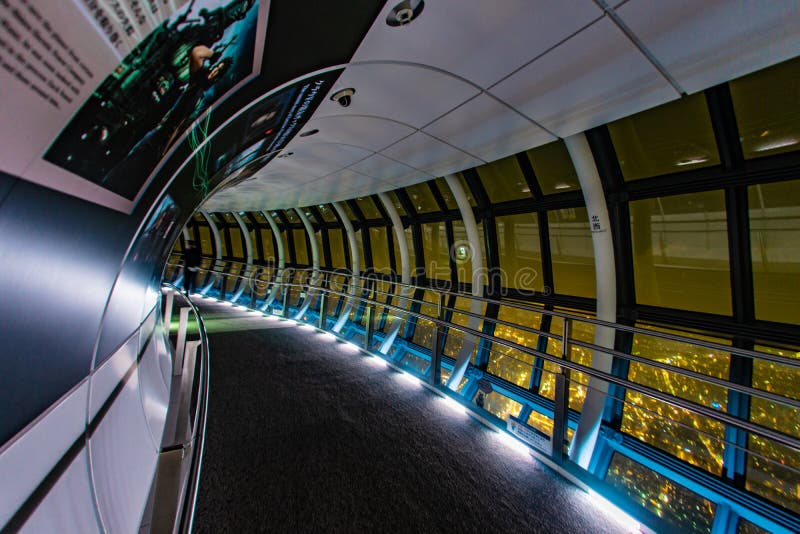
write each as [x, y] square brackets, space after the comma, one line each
[306, 433]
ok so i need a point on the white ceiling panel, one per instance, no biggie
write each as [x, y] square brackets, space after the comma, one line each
[478, 40]
[371, 133]
[411, 95]
[388, 170]
[431, 155]
[317, 159]
[702, 44]
[595, 77]
[488, 129]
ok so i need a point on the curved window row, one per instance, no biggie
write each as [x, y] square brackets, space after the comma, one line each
[704, 198]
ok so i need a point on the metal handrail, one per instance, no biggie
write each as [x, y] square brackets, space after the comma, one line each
[563, 315]
[186, 513]
[673, 400]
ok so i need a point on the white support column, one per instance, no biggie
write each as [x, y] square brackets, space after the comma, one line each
[405, 270]
[218, 247]
[315, 274]
[281, 261]
[478, 277]
[583, 442]
[248, 245]
[354, 262]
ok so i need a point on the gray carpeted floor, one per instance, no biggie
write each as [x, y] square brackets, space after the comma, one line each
[305, 434]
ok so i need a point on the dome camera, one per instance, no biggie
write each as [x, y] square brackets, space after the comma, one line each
[343, 96]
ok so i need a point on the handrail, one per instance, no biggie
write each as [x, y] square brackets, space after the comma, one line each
[722, 417]
[186, 513]
[553, 313]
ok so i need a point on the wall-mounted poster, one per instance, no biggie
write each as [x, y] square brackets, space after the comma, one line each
[103, 138]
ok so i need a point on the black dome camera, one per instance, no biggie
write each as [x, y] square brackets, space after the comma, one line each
[343, 96]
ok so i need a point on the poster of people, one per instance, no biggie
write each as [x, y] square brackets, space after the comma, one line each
[113, 96]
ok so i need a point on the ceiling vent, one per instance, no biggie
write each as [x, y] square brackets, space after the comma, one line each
[405, 12]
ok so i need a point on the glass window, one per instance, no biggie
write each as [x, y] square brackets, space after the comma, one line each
[684, 509]
[422, 198]
[380, 249]
[774, 237]
[577, 381]
[320, 249]
[503, 180]
[253, 244]
[676, 136]
[206, 247]
[437, 253]
[572, 252]
[423, 332]
[684, 434]
[766, 109]
[291, 216]
[512, 364]
[336, 241]
[553, 168]
[227, 217]
[397, 204]
[447, 195]
[520, 254]
[237, 242]
[348, 211]
[746, 527]
[258, 217]
[455, 337]
[268, 245]
[362, 263]
[500, 405]
[774, 470]
[368, 209]
[463, 255]
[680, 252]
[326, 212]
[410, 242]
[300, 248]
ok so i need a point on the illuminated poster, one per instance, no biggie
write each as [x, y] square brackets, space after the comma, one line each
[100, 136]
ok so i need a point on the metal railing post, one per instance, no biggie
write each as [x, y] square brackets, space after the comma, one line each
[368, 326]
[323, 311]
[561, 400]
[435, 374]
[223, 294]
[285, 310]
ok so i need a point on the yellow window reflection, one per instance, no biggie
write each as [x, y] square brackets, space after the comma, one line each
[380, 249]
[300, 248]
[774, 237]
[680, 252]
[422, 198]
[673, 137]
[766, 109]
[553, 168]
[572, 253]
[503, 180]
[337, 248]
[437, 253]
[520, 255]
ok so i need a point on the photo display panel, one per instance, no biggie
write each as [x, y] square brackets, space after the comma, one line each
[96, 93]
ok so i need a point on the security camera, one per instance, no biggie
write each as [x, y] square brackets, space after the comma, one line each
[343, 96]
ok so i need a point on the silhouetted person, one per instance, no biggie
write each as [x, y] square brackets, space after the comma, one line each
[191, 261]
